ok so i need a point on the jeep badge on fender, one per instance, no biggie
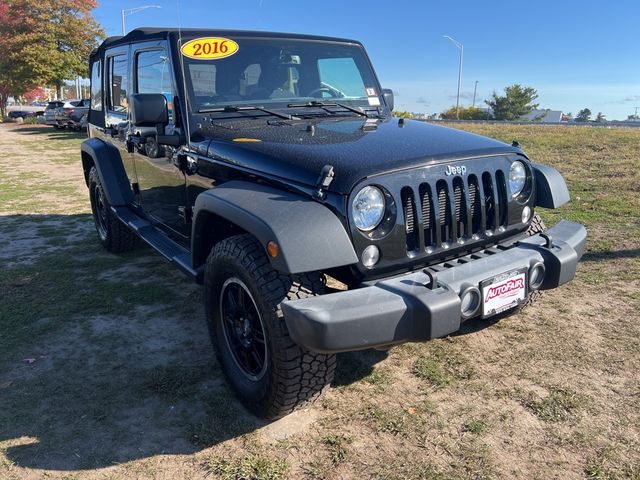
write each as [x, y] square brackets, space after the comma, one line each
[267, 166]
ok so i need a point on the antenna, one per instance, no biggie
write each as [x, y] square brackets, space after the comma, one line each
[184, 80]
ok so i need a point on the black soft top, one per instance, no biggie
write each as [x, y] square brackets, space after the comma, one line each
[155, 33]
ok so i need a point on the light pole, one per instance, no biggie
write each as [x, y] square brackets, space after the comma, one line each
[475, 89]
[131, 11]
[461, 47]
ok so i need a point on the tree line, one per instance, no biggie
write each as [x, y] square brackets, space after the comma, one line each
[516, 102]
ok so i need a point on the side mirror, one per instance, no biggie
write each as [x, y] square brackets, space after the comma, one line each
[149, 110]
[387, 93]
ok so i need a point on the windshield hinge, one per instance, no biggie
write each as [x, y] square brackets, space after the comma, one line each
[324, 180]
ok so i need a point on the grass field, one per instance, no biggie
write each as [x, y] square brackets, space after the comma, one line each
[106, 371]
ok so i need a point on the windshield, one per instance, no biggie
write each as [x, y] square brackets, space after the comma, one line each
[276, 73]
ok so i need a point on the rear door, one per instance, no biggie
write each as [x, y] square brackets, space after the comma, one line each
[162, 183]
[117, 90]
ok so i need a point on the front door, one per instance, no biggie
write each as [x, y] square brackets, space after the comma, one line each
[162, 183]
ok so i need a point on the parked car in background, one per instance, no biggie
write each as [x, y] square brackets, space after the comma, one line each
[84, 122]
[70, 113]
[24, 114]
[50, 113]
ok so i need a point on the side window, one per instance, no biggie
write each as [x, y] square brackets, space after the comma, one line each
[343, 75]
[153, 74]
[118, 84]
[96, 86]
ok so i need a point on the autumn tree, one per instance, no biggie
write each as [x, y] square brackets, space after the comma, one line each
[516, 102]
[34, 94]
[44, 42]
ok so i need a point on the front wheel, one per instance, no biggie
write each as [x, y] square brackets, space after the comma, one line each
[270, 373]
[536, 226]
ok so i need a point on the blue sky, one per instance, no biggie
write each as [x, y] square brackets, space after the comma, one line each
[575, 53]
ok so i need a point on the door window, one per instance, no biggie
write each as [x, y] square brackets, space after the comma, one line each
[96, 86]
[118, 84]
[153, 74]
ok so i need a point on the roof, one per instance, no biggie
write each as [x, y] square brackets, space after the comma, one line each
[151, 33]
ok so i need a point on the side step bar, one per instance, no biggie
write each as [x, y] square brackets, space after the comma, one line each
[159, 241]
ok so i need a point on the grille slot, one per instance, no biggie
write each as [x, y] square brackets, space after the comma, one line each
[460, 202]
[410, 227]
[475, 205]
[428, 215]
[502, 198]
[444, 207]
[442, 213]
[489, 202]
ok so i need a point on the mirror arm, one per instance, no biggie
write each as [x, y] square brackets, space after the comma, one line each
[174, 140]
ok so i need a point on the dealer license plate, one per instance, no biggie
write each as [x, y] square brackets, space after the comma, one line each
[503, 292]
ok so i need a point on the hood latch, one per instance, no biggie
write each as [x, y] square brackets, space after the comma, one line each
[323, 182]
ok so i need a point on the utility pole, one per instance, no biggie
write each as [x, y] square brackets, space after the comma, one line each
[130, 11]
[461, 47]
[475, 89]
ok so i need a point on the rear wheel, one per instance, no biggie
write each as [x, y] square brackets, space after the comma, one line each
[114, 235]
[270, 373]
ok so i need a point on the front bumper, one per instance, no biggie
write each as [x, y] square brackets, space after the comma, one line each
[405, 308]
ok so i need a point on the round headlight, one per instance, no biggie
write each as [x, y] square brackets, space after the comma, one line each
[517, 178]
[368, 208]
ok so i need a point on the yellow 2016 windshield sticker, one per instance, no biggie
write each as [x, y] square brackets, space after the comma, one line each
[209, 48]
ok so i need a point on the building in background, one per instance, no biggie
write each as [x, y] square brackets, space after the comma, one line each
[544, 116]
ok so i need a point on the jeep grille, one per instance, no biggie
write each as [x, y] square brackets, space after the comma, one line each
[454, 210]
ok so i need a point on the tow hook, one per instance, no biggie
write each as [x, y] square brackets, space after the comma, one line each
[433, 279]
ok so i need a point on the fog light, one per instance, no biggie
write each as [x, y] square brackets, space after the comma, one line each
[370, 256]
[526, 214]
[469, 302]
[536, 276]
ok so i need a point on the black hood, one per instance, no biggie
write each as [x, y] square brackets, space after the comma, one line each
[356, 147]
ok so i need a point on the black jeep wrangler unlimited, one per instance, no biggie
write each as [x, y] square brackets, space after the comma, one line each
[269, 168]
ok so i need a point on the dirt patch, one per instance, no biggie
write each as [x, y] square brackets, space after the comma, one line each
[106, 369]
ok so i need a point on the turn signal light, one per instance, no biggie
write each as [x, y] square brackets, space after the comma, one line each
[273, 249]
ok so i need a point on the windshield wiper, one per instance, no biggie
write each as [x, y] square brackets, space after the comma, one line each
[323, 105]
[247, 108]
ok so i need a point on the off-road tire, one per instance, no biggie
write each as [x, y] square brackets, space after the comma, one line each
[294, 376]
[115, 236]
[536, 226]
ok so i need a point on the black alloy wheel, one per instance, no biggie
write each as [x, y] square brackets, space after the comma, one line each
[243, 329]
